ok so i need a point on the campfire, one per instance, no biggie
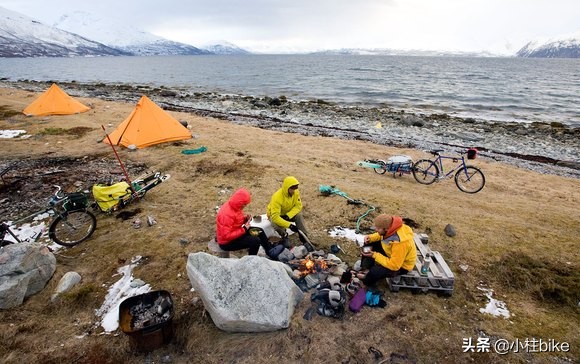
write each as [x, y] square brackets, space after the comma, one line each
[310, 266]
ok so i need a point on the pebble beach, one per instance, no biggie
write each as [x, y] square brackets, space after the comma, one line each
[545, 148]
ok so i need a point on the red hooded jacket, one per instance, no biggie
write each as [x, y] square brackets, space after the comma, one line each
[230, 218]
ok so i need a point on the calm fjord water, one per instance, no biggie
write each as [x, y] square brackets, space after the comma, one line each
[503, 89]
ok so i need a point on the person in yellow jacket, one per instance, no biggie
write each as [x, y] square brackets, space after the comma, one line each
[393, 250]
[285, 210]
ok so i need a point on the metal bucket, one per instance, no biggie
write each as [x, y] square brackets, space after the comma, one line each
[147, 319]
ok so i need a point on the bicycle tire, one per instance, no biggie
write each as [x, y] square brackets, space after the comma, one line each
[470, 179]
[72, 228]
[382, 169]
[5, 242]
[425, 171]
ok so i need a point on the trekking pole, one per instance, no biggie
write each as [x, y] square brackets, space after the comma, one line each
[119, 159]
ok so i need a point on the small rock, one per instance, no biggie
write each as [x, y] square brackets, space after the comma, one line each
[151, 221]
[137, 283]
[137, 223]
[183, 241]
[463, 267]
[450, 230]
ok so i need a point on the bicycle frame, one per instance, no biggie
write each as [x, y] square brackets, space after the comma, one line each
[439, 162]
[4, 229]
[469, 179]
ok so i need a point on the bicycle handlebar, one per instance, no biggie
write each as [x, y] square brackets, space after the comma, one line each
[437, 152]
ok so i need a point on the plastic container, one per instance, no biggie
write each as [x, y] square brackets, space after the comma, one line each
[147, 319]
[426, 264]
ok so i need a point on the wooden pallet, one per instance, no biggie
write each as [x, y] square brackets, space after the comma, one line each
[439, 278]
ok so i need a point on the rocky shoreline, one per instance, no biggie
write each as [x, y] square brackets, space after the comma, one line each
[553, 149]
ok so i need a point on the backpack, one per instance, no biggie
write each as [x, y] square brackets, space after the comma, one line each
[108, 197]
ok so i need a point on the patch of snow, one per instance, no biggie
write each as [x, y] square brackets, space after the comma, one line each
[494, 307]
[36, 231]
[350, 234]
[6, 134]
[119, 291]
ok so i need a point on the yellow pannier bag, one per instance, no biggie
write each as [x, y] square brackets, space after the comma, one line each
[108, 197]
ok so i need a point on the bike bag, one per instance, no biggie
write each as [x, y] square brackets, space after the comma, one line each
[399, 163]
[76, 201]
[471, 153]
[107, 197]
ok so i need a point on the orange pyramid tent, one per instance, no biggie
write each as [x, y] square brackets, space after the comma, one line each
[54, 101]
[147, 125]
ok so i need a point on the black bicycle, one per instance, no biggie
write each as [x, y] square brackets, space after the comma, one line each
[72, 224]
[468, 178]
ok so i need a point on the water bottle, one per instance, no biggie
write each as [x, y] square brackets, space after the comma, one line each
[426, 263]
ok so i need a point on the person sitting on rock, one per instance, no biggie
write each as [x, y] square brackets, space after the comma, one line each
[233, 231]
[284, 210]
[393, 250]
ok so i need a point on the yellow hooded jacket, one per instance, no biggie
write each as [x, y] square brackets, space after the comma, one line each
[399, 247]
[282, 203]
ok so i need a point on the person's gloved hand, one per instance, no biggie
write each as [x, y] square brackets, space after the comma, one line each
[294, 228]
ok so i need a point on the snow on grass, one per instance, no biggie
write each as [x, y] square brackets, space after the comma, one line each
[124, 288]
[350, 234]
[494, 307]
[34, 231]
[6, 134]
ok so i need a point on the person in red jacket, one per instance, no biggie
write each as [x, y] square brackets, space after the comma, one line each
[233, 227]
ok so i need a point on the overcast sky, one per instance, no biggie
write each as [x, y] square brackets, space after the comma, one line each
[500, 26]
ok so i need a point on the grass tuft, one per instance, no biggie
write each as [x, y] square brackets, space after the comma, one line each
[6, 112]
[546, 281]
[78, 131]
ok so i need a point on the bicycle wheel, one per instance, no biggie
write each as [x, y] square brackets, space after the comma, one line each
[5, 242]
[72, 227]
[382, 169]
[469, 179]
[425, 171]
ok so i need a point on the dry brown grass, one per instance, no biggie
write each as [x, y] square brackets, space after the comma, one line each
[518, 236]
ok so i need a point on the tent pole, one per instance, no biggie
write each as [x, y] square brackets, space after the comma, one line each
[119, 159]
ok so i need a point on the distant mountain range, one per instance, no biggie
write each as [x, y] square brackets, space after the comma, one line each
[21, 36]
[224, 47]
[398, 52]
[82, 34]
[559, 48]
[122, 36]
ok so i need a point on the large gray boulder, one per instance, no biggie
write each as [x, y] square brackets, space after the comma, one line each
[251, 294]
[25, 269]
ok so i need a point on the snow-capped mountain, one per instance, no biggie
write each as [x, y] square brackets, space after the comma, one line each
[225, 48]
[21, 36]
[401, 52]
[564, 47]
[116, 33]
